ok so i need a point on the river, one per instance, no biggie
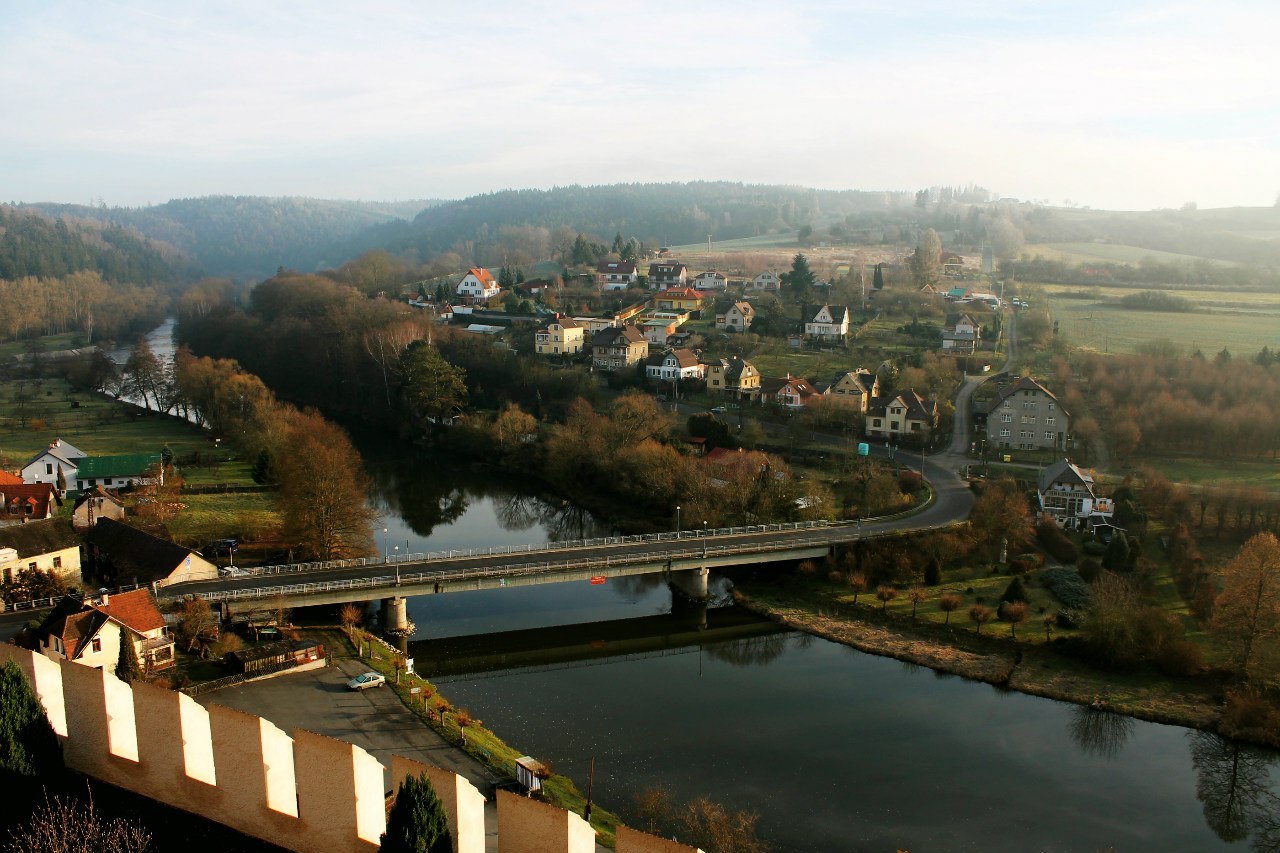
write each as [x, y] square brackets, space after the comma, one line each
[835, 749]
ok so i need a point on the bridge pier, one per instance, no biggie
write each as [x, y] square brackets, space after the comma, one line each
[691, 583]
[690, 613]
[395, 616]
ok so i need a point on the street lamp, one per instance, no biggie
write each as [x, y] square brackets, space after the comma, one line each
[677, 519]
[384, 545]
[704, 540]
[397, 550]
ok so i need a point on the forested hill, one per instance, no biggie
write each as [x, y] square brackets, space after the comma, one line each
[251, 236]
[659, 213]
[33, 244]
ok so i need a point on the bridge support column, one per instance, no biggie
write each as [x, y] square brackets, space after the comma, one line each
[691, 583]
[395, 616]
[691, 613]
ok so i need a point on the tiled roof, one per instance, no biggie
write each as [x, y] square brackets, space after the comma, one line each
[1063, 471]
[97, 492]
[7, 479]
[1022, 383]
[673, 269]
[16, 499]
[481, 273]
[135, 553]
[683, 292]
[136, 609]
[620, 267]
[39, 537]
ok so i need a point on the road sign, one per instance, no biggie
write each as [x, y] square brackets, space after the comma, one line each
[597, 580]
[408, 665]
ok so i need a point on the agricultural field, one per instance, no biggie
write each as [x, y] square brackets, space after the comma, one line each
[1075, 253]
[1105, 326]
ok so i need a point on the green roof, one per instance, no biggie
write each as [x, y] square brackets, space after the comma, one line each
[129, 465]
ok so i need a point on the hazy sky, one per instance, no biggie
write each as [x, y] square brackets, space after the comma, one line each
[1105, 103]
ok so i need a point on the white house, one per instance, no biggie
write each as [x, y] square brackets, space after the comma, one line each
[674, 364]
[710, 280]
[1066, 495]
[43, 467]
[964, 337]
[616, 275]
[736, 318]
[667, 274]
[767, 280]
[478, 285]
[830, 323]
[91, 633]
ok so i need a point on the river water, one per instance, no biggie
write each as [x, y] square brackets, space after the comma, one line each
[835, 749]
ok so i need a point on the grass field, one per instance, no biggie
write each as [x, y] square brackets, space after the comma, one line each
[249, 517]
[764, 241]
[1109, 253]
[1105, 326]
[51, 343]
[1224, 472]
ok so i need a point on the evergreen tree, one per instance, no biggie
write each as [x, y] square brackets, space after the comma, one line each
[417, 822]
[28, 745]
[62, 480]
[127, 668]
[264, 468]
[1015, 591]
[800, 279]
[1116, 557]
[618, 243]
[877, 281]
[582, 253]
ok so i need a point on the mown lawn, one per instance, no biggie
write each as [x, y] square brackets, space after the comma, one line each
[249, 517]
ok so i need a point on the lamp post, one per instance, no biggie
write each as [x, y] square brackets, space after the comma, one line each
[384, 546]
[704, 540]
[677, 519]
[397, 549]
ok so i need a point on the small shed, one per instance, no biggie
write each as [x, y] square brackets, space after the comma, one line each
[530, 772]
[273, 656]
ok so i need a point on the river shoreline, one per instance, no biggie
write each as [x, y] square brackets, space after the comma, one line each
[1030, 669]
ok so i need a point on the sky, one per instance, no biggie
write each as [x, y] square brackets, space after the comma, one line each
[1120, 105]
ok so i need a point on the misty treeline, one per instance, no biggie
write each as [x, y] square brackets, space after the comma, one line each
[81, 302]
[35, 245]
[1221, 406]
[252, 236]
[1197, 273]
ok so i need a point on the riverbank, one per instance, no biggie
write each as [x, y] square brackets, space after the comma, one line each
[1033, 669]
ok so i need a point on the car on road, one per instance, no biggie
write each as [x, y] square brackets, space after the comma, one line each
[720, 410]
[365, 680]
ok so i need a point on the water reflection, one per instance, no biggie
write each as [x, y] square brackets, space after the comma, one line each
[1099, 733]
[749, 651]
[1233, 784]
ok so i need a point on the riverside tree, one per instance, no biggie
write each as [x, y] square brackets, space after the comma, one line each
[432, 386]
[1247, 614]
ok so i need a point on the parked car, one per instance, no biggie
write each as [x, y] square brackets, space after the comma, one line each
[365, 680]
[720, 410]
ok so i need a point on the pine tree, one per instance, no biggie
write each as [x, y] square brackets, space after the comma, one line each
[1116, 557]
[877, 281]
[801, 279]
[127, 668]
[416, 823]
[1015, 591]
[28, 745]
[62, 480]
[264, 468]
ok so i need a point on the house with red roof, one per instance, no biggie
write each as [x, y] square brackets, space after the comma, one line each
[91, 632]
[478, 285]
[23, 503]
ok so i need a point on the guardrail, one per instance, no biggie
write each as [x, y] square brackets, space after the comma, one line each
[458, 553]
[52, 601]
[847, 533]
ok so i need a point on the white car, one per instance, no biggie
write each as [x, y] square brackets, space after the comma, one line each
[366, 680]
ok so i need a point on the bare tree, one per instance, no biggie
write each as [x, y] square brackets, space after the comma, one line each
[1015, 613]
[857, 583]
[950, 603]
[916, 595]
[69, 825]
[979, 615]
[1247, 613]
[886, 593]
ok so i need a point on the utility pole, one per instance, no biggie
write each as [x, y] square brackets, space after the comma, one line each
[591, 780]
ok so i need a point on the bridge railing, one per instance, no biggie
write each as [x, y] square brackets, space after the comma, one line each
[509, 570]
[498, 550]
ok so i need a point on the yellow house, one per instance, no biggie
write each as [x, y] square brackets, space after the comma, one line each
[855, 388]
[47, 546]
[561, 336]
[678, 299]
[733, 376]
[91, 632]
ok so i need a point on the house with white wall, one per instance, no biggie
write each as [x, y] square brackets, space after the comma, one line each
[43, 467]
[478, 285]
[829, 323]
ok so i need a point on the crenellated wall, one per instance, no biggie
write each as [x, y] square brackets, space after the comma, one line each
[303, 792]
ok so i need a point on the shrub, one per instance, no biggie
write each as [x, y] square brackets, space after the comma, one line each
[1180, 657]
[910, 482]
[1068, 617]
[1094, 548]
[1056, 542]
[1089, 569]
[1015, 591]
[1249, 716]
[1067, 586]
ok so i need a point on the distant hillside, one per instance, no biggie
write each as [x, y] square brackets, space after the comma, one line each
[251, 236]
[37, 245]
[660, 213]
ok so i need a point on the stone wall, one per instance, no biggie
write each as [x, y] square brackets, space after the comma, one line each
[303, 792]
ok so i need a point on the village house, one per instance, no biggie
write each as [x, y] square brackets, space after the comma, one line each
[597, 324]
[116, 472]
[736, 318]
[21, 503]
[668, 275]
[673, 365]
[94, 504]
[560, 336]
[478, 285]
[92, 632]
[616, 275]
[44, 466]
[658, 330]
[905, 413]
[767, 280]
[951, 263]
[710, 280]
[790, 392]
[118, 552]
[684, 299]
[856, 388]
[46, 546]
[963, 338]
[1024, 415]
[829, 323]
[735, 376]
[1067, 496]
[614, 349]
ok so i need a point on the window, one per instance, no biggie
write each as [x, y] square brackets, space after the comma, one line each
[1006, 418]
[97, 644]
[877, 422]
[1050, 420]
[1004, 433]
[1007, 405]
[48, 467]
[1051, 407]
[1028, 419]
[31, 566]
[57, 562]
[1048, 436]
